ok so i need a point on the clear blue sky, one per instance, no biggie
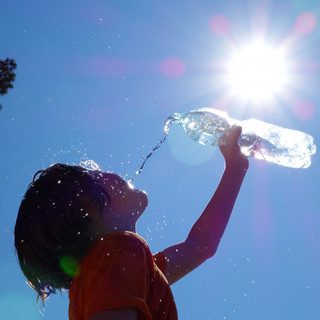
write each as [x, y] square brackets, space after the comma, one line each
[97, 79]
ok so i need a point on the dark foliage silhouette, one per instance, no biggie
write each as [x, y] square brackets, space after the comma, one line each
[7, 75]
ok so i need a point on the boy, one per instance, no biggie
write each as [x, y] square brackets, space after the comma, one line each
[76, 230]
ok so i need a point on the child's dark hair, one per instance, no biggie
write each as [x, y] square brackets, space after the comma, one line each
[52, 229]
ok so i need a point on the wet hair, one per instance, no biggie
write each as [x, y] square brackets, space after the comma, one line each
[52, 229]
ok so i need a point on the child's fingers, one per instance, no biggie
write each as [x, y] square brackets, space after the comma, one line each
[236, 130]
[234, 133]
[231, 149]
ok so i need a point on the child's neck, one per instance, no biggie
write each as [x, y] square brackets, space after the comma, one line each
[119, 226]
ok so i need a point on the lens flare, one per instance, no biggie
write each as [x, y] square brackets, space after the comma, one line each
[305, 23]
[219, 25]
[172, 67]
[70, 266]
[303, 109]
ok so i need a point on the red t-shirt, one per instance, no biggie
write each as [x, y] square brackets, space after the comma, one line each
[120, 272]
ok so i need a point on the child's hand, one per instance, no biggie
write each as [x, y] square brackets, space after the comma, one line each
[230, 149]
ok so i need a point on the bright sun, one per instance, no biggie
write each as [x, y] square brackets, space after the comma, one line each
[256, 72]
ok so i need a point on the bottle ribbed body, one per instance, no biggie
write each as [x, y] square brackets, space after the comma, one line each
[259, 139]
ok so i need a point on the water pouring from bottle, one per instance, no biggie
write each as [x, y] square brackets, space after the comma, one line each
[259, 139]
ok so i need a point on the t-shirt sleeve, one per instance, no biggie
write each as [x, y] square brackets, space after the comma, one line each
[121, 279]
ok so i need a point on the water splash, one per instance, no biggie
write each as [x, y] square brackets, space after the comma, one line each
[174, 118]
[90, 165]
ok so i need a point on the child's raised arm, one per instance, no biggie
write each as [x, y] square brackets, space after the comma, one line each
[205, 235]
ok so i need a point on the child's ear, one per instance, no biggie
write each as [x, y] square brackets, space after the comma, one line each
[95, 223]
[95, 228]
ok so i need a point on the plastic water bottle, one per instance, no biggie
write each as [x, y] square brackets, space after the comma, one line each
[261, 140]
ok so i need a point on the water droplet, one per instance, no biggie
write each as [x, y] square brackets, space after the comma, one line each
[90, 165]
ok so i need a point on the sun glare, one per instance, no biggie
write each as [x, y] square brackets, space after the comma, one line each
[256, 72]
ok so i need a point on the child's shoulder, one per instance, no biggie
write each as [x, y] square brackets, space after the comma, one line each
[120, 242]
[125, 237]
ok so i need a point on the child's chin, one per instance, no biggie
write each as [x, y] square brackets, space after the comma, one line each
[143, 198]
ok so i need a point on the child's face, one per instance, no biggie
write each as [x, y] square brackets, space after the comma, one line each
[126, 203]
